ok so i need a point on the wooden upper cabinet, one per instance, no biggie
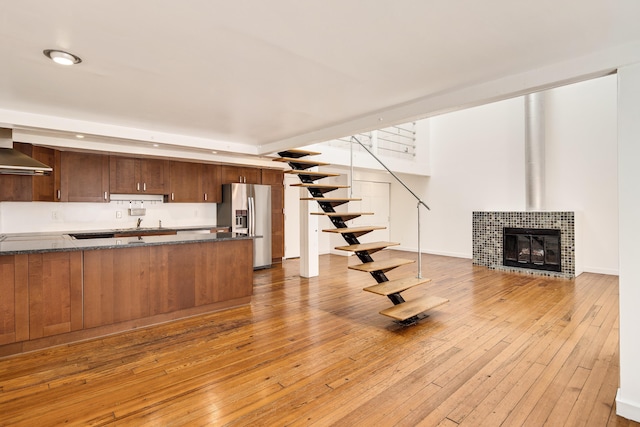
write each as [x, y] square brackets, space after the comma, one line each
[231, 174]
[47, 188]
[131, 176]
[84, 177]
[211, 184]
[122, 175]
[22, 188]
[154, 176]
[185, 182]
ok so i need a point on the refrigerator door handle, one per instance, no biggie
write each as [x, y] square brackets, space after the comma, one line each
[252, 216]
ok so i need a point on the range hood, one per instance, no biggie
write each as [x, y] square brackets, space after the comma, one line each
[13, 162]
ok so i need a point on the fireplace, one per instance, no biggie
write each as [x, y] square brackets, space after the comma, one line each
[488, 241]
[535, 248]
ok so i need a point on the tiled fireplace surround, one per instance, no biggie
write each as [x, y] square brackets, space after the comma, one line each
[487, 238]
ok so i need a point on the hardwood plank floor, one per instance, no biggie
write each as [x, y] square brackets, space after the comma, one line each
[508, 349]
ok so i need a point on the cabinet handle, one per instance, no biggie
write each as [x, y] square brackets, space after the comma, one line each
[172, 196]
[144, 186]
[59, 194]
[105, 195]
[205, 197]
[137, 186]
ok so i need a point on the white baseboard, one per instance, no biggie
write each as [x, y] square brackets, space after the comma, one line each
[627, 409]
[430, 252]
[598, 270]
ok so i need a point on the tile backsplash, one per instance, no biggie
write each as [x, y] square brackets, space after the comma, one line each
[27, 217]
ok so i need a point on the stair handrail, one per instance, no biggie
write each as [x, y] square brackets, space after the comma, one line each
[420, 201]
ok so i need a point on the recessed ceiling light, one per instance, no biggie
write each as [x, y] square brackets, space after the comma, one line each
[79, 136]
[156, 145]
[61, 57]
[214, 152]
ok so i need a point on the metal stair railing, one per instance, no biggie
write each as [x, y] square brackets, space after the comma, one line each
[420, 202]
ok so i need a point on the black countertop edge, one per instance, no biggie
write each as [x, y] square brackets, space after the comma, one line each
[66, 245]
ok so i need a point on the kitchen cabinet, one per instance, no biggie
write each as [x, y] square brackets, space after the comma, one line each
[116, 285]
[246, 174]
[211, 184]
[131, 176]
[14, 304]
[185, 182]
[275, 178]
[50, 298]
[40, 188]
[193, 275]
[55, 293]
[84, 177]
[195, 183]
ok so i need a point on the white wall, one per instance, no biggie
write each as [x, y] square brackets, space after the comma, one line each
[582, 165]
[27, 217]
[628, 398]
[476, 160]
[477, 163]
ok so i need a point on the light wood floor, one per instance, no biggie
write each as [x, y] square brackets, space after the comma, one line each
[507, 350]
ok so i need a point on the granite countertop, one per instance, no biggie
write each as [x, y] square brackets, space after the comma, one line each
[24, 243]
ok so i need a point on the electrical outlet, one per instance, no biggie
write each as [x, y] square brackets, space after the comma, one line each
[118, 214]
[54, 214]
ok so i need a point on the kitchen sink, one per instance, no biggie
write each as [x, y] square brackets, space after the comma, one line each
[82, 236]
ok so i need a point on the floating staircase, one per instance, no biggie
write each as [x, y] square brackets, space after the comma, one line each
[404, 312]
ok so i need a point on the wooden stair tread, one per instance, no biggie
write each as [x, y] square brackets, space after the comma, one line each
[341, 213]
[353, 229]
[395, 286]
[295, 152]
[346, 216]
[319, 185]
[384, 265]
[300, 161]
[320, 188]
[333, 201]
[366, 247]
[312, 173]
[411, 308]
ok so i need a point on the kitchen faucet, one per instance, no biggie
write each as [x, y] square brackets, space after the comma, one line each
[139, 221]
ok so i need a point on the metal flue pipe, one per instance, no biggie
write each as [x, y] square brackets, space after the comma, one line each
[534, 142]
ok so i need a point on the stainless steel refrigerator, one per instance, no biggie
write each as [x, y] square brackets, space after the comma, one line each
[246, 209]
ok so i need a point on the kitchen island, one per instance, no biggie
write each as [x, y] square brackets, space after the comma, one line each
[55, 289]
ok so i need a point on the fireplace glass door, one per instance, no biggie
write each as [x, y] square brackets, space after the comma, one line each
[532, 248]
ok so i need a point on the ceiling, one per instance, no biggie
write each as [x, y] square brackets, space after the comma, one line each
[257, 76]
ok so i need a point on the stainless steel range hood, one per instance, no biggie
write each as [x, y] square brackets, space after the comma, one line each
[13, 162]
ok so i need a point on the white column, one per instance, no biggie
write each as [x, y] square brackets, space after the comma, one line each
[309, 262]
[628, 397]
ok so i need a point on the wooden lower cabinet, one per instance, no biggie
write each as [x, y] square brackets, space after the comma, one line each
[56, 297]
[134, 283]
[55, 293]
[116, 285]
[192, 275]
[14, 303]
